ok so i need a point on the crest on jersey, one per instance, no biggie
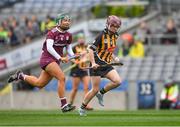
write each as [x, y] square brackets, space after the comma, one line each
[105, 41]
[67, 38]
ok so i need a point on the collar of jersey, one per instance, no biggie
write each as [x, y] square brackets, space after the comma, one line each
[60, 30]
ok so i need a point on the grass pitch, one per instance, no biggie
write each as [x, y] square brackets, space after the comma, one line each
[94, 118]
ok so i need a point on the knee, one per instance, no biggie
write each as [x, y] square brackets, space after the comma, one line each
[117, 82]
[95, 90]
[86, 89]
[62, 78]
[75, 89]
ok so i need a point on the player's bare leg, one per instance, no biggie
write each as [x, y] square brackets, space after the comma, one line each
[95, 88]
[115, 82]
[88, 97]
[39, 82]
[115, 78]
[54, 70]
[85, 81]
[75, 84]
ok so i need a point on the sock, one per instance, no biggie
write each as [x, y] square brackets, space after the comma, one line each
[63, 101]
[102, 91]
[83, 106]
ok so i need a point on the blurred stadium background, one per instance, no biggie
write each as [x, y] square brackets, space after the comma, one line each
[24, 23]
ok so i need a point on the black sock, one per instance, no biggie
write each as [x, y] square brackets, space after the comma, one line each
[102, 91]
[83, 106]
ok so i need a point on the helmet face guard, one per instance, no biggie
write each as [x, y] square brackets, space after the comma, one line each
[113, 21]
[62, 17]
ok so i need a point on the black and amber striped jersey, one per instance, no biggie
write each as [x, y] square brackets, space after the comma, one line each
[104, 46]
[83, 61]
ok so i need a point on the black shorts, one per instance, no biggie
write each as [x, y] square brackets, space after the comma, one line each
[100, 71]
[77, 72]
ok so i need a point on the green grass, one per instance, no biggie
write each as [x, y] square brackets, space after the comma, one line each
[94, 118]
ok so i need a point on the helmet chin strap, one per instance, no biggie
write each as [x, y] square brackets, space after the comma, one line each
[65, 28]
[62, 28]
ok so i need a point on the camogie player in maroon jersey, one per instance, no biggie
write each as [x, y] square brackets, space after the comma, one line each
[52, 54]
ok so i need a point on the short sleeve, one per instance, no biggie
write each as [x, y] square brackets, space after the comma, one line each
[96, 42]
[50, 35]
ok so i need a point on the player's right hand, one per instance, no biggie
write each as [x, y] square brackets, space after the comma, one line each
[95, 66]
[64, 59]
[117, 59]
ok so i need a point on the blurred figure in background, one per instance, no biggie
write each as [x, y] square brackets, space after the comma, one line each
[13, 39]
[77, 73]
[143, 32]
[48, 24]
[36, 25]
[170, 35]
[29, 32]
[3, 36]
[137, 48]
[127, 40]
[169, 94]
[15, 36]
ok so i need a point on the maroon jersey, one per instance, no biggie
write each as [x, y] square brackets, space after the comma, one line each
[61, 40]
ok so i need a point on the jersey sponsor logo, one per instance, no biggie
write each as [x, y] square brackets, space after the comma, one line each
[61, 36]
[111, 49]
[57, 44]
[58, 40]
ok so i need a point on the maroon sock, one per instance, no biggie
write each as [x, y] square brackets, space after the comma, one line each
[63, 101]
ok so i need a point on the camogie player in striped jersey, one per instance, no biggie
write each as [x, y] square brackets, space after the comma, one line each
[100, 53]
[77, 73]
